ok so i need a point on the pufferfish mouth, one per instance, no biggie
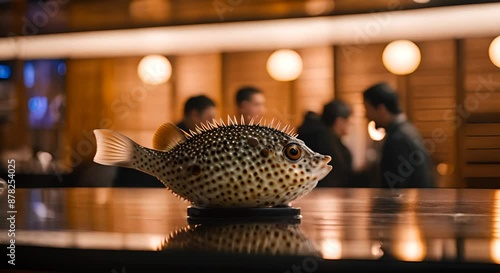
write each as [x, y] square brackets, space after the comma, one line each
[323, 168]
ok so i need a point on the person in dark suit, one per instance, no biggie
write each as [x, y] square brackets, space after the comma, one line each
[323, 135]
[197, 109]
[405, 163]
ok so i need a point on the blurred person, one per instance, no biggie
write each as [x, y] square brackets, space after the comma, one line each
[404, 162]
[251, 103]
[323, 135]
[197, 109]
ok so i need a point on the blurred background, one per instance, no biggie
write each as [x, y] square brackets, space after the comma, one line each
[68, 67]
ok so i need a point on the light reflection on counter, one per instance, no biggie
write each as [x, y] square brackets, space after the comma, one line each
[410, 247]
[330, 234]
[408, 241]
[411, 250]
[495, 250]
[331, 249]
[495, 243]
[87, 239]
[334, 240]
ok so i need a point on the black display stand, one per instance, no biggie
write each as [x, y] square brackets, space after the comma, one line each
[198, 215]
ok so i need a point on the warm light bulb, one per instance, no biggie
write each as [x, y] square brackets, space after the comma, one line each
[318, 7]
[154, 69]
[445, 168]
[494, 51]
[375, 134]
[284, 65]
[401, 57]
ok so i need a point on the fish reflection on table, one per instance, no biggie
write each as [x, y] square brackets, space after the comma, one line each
[245, 238]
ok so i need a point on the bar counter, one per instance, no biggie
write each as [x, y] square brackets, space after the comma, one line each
[141, 230]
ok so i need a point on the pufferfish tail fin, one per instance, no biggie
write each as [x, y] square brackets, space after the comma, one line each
[113, 149]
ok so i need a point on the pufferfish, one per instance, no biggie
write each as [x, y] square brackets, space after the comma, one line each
[234, 165]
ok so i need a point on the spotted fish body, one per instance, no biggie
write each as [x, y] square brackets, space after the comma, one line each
[251, 238]
[234, 165]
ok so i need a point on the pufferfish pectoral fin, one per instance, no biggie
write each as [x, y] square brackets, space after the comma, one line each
[168, 136]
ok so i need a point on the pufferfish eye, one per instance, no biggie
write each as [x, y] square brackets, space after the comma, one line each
[293, 151]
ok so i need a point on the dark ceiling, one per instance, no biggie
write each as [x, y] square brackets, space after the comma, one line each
[31, 17]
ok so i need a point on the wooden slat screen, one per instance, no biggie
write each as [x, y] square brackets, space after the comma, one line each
[481, 142]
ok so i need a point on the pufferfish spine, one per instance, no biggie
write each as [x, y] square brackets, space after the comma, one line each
[220, 165]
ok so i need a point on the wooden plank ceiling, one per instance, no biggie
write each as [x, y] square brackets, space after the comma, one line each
[67, 16]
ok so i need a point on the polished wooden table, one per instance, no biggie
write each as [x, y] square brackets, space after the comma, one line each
[134, 230]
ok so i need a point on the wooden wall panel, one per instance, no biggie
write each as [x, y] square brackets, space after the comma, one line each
[481, 103]
[421, 117]
[315, 86]
[482, 142]
[485, 102]
[441, 126]
[481, 156]
[482, 129]
[480, 77]
[196, 75]
[474, 171]
[137, 109]
[434, 91]
[432, 101]
[107, 93]
[84, 96]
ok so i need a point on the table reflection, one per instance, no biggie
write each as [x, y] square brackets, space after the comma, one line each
[245, 238]
[336, 224]
[402, 237]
